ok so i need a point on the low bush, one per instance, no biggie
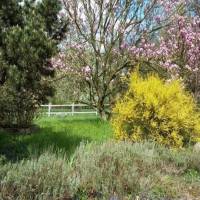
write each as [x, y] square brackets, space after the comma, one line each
[104, 171]
[44, 178]
[129, 170]
[156, 110]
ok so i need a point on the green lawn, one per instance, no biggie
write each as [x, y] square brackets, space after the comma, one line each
[59, 133]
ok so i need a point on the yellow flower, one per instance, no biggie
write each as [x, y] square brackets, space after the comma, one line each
[153, 109]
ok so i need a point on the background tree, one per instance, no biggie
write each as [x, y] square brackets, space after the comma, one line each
[66, 89]
[99, 34]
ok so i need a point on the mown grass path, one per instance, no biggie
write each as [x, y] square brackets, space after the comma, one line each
[60, 133]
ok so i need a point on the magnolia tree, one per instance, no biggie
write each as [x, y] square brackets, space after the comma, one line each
[101, 32]
[178, 51]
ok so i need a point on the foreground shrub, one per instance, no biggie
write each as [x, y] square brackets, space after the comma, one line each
[102, 171]
[155, 110]
[43, 178]
[129, 170]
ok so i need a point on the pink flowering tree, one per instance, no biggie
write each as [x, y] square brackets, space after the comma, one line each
[177, 51]
[101, 33]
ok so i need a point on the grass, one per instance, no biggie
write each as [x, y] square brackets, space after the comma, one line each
[60, 133]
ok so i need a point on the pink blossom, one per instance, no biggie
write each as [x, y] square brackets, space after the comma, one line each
[86, 69]
[180, 45]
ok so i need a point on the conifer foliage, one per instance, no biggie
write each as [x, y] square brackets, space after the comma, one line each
[27, 42]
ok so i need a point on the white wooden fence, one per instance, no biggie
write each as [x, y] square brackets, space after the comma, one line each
[68, 109]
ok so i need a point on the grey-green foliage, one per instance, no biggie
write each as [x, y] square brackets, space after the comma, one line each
[128, 170]
[101, 171]
[42, 178]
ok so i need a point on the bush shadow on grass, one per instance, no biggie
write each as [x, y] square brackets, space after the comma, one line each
[18, 147]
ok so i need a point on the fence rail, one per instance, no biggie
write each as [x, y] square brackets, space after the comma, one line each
[67, 109]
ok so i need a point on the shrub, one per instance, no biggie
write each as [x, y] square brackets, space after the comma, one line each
[42, 179]
[128, 170]
[101, 171]
[156, 110]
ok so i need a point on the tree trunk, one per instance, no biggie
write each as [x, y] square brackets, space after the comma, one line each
[103, 114]
[102, 111]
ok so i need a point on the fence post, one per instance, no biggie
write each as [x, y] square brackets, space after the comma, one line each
[72, 109]
[49, 109]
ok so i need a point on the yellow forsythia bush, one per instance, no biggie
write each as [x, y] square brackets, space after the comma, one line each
[155, 110]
